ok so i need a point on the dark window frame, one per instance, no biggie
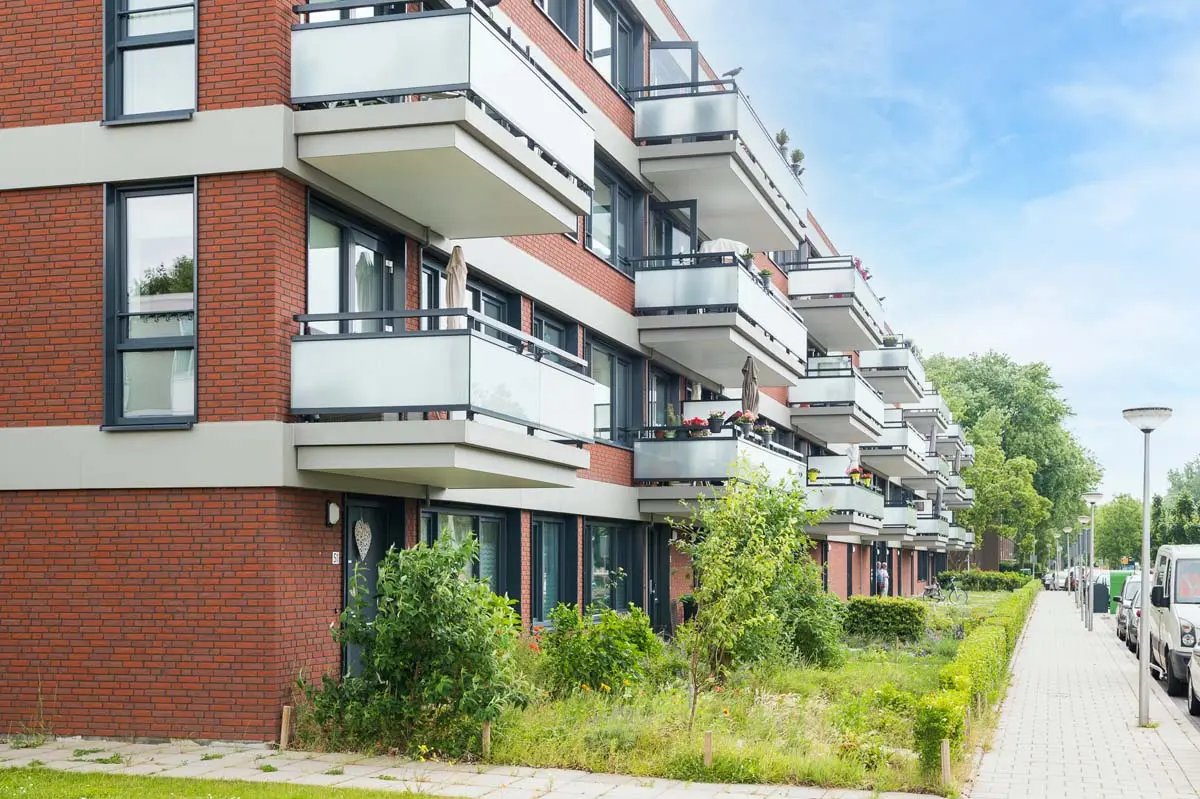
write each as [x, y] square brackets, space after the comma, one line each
[117, 44]
[626, 422]
[570, 330]
[627, 198]
[567, 565]
[508, 540]
[429, 297]
[634, 57]
[629, 555]
[116, 341]
[565, 16]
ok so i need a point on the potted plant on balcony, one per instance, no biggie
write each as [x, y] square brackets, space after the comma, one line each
[672, 422]
[766, 432]
[890, 340]
[744, 420]
[764, 275]
[867, 477]
[781, 139]
[697, 427]
[813, 474]
[855, 473]
[797, 162]
[716, 421]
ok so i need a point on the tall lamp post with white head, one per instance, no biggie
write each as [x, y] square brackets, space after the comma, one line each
[1147, 420]
[1080, 557]
[1092, 498]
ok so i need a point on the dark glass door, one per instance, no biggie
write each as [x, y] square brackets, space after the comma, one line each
[658, 570]
[372, 526]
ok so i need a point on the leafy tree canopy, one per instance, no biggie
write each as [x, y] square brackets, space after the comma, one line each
[178, 279]
[1119, 530]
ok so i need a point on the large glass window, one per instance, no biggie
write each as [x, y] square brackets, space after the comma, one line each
[351, 269]
[150, 58]
[554, 565]
[565, 14]
[556, 333]
[482, 298]
[615, 44]
[151, 284]
[663, 393]
[615, 222]
[614, 566]
[488, 530]
[616, 411]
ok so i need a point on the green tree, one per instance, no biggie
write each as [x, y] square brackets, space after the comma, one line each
[744, 543]
[1119, 530]
[1185, 481]
[1006, 503]
[1158, 525]
[1032, 416]
[179, 279]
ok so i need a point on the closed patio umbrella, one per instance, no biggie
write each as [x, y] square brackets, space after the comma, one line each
[456, 289]
[750, 387]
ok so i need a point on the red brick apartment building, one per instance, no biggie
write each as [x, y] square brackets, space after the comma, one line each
[235, 366]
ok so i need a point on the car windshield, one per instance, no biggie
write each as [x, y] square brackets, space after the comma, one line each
[1187, 581]
[1131, 587]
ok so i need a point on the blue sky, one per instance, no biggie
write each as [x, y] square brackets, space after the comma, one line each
[1021, 176]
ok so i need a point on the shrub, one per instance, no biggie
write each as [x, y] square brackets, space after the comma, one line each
[811, 620]
[606, 655]
[436, 659]
[940, 715]
[985, 581]
[886, 618]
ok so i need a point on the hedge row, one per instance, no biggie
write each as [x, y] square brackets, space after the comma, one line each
[886, 618]
[985, 581]
[977, 673]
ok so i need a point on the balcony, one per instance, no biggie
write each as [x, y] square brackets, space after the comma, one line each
[899, 522]
[957, 494]
[935, 475]
[933, 531]
[899, 451]
[896, 372]
[494, 147]
[481, 411]
[855, 511]
[969, 540]
[957, 540]
[968, 455]
[708, 312]
[702, 139]
[676, 470]
[930, 414]
[950, 444]
[835, 404]
[841, 310]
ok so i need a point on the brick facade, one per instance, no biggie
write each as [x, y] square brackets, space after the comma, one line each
[192, 611]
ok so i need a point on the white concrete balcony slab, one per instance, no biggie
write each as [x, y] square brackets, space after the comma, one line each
[854, 510]
[968, 455]
[936, 475]
[896, 372]
[503, 418]
[930, 414]
[933, 532]
[708, 312]
[950, 443]
[969, 540]
[674, 472]
[836, 301]
[900, 522]
[494, 147]
[703, 141]
[957, 494]
[899, 451]
[835, 404]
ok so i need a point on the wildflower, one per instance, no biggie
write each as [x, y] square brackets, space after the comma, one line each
[585, 686]
[538, 628]
[718, 689]
[725, 710]
[605, 688]
[626, 683]
[534, 646]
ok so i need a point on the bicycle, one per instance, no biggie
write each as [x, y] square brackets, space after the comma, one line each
[951, 593]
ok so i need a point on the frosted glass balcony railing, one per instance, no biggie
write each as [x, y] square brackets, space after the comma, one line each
[900, 516]
[903, 436]
[715, 109]
[684, 459]
[690, 282]
[845, 497]
[930, 407]
[897, 359]
[392, 57]
[938, 466]
[488, 370]
[933, 526]
[835, 276]
[833, 380]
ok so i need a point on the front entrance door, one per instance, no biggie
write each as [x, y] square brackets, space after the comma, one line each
[372, 526]
[658, 571]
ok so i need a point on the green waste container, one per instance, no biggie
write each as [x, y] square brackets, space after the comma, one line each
[1116, 582]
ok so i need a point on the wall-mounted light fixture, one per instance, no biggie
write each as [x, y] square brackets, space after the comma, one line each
[333, 513]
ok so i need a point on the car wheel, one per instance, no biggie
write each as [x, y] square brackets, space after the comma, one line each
[1193, 703]
[1120, 633]
[1175, 685]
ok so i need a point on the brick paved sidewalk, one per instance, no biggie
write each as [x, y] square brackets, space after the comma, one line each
[245, 762]
[1068, 727]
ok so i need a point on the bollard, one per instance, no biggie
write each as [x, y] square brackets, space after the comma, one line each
[487, 740]
[708, 749]
[946, 761]
[285, 728]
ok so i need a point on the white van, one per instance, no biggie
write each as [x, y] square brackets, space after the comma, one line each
[1174, 612]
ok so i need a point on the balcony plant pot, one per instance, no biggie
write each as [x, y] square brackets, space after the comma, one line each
[716, 423]
[766, 433]
[746, 428]
[855, 477]
[764, 275]
[866, 480]
[813, 474]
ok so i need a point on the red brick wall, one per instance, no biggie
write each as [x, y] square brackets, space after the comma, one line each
[163, 613]
[836, 566]
[609, 465]
[578, 263]
[250, 282]
[681, 581]
[526, 568]
[245, 53]
[51, 301]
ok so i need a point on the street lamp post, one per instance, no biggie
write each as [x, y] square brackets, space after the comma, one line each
[1146, 420]
[1067, 535]
[1092, 498]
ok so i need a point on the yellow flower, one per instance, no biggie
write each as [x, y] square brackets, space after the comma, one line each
[585, 686]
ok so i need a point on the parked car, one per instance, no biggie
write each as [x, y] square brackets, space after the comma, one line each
[1125, 605]
[1060, 581]
[1134, 624]
[1193, 682]
[1174, 613]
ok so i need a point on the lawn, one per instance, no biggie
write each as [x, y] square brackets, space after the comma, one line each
[851, 726]
[43, 783]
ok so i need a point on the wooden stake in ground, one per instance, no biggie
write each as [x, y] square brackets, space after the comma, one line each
[946, 761]
[487, 740]
[285, 727]
[708, 749]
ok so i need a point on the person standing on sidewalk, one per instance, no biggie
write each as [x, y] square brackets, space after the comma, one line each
[883, 578]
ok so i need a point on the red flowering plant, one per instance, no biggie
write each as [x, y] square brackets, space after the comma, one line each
[697, 427]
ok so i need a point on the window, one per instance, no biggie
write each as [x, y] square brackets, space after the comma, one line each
[565, 14]
[150, 58]
[351, 269]
[487, 529]
[150, 275]
[554, 565]
[615, 45]
[482, 298]
[616, 407]
[663, 392]
[613, 229]
[557, 333]
[672, 228]
[613, 576]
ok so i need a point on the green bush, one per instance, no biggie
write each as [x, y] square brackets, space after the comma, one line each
[984, 581]
[940, 715]
[607, 655]
[436, 659]
[887, 618]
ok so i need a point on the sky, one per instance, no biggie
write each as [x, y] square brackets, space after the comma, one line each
[1021, 176]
